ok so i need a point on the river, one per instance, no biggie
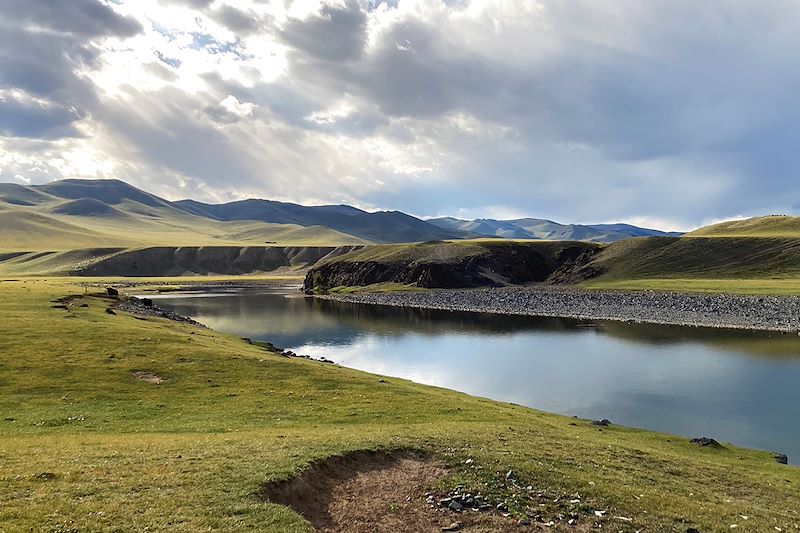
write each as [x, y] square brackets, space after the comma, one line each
[735, 386]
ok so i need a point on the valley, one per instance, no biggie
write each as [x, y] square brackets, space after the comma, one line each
[106, 378]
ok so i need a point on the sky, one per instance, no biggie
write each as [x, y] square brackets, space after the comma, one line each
[665, 113]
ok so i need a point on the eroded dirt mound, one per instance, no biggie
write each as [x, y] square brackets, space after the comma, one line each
[370, 492]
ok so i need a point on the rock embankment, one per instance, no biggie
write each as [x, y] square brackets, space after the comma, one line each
[775, 313]
[451, 265]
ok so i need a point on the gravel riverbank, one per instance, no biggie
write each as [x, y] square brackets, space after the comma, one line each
[775, 313]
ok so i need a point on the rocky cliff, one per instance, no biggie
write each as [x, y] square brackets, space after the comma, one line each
[448, 264]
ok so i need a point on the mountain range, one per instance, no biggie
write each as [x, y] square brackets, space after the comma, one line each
[74, 213]
[542, 229]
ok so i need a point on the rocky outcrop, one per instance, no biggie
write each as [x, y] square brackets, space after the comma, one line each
[507, 264]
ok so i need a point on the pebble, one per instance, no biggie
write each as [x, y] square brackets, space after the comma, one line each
[776, 313]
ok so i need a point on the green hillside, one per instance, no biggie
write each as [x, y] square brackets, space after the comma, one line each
[759, 255]
[448, 251]
[778, 226]
[719, 257]
[717, 264]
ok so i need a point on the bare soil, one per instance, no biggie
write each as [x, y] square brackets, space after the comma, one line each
[371, 492]
[149, 377]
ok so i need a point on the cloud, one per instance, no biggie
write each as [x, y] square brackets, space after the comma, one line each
[84, 18]
[23, 117]
[43, 48]
[580, 111]
[238, 21]
[336, 33]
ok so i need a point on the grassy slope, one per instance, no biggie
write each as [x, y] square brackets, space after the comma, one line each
[758, 265]
[391, 253]
[768, 226]
[188, 454]
[439, 251]
[759, 255]
[73, 241]
[42, 228]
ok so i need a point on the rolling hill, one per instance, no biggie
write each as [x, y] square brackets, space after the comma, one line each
[381, 226]
[695, 257]
[767, 226]
[71, 214]
[541, 229]
[74, 213]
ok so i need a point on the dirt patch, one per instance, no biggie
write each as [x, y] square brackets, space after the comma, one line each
[149, 377]
[371, 492]
[66, 302]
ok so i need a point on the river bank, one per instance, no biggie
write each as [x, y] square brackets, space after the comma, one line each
[770, 313]
[94, 403]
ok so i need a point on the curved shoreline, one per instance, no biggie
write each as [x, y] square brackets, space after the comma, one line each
[764, 313]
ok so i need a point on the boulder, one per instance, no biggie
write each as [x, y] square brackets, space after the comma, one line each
[706, 441]
[781, 458]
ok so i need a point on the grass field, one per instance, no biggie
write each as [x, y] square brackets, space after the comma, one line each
[763, 286]
[84, 445]
[375, 287]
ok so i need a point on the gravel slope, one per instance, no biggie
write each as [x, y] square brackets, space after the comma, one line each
[776, 313]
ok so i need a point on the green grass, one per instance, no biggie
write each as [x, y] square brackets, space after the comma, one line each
[766, 286]
[755, 265]
[442, 251]
[85, 446]
[778, 226]
[375, 287]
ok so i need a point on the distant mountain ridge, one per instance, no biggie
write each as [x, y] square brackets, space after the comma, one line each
[113, 213]
[542, 229]
[82, 214]
[380, 226]
[77, 213]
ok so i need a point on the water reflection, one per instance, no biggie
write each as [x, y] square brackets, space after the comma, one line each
[737, 386]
